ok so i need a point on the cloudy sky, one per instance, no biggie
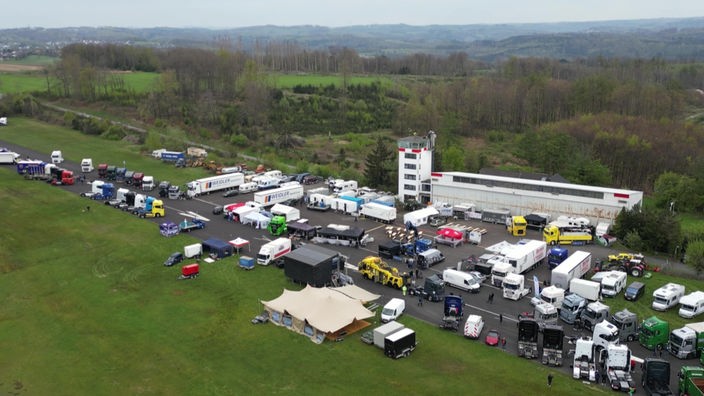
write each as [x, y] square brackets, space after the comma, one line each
[239, 13]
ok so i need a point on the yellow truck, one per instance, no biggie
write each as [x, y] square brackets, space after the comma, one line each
[373, 268]
[517, 225]
[555, 235]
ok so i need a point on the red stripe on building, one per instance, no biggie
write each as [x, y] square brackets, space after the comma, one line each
[617, 195]
[435, 174]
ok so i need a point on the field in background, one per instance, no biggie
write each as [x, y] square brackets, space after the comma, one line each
[288, 81]
[104, 316]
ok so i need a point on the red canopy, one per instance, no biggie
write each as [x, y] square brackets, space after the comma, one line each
[450, 233]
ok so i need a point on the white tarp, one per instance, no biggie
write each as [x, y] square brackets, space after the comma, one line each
[420, 216]
[290, 213]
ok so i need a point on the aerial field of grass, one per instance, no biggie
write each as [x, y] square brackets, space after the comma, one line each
[90, 309]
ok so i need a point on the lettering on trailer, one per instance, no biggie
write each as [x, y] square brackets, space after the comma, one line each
[214, 183]
[281, 253]
[278, 195]
[621, 195]
[585, 265]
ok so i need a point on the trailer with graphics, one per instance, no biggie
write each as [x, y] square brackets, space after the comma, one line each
[214, 183]
[279, 195]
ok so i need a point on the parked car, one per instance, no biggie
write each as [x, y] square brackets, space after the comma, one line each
[230, 193]
[217, 210]
[492, 338]
[312, 179]
[174, 259]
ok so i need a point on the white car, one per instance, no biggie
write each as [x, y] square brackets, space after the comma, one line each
[473, 326]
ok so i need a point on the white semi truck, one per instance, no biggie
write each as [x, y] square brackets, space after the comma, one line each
[517, 259]
[214, 183]
[574, 266]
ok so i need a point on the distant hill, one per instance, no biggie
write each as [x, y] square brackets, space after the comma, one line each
[671, 38]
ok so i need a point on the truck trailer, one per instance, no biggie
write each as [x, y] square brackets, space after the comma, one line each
[274, 250]
[575, 266]
[400, 343]
[378, 212]
[279, 195]
[215, 183]
[688, 341]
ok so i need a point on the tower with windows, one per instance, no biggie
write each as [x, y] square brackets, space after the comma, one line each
[415, 162]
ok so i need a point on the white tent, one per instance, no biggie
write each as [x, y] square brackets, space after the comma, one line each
[316, 312]
[257, 219]
[291, 213]
[420, 216]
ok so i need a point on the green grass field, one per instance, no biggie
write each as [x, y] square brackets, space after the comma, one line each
[34, 60]
[89, 309]
[22, 82]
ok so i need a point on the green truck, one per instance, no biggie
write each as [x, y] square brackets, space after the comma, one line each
[691, 381]
[277, 225]
[654, 333]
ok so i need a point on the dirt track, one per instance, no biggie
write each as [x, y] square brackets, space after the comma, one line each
[8, 67]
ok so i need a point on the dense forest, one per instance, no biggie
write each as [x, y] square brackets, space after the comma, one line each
[605, 121]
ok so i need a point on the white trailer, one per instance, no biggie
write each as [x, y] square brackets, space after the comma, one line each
[290, 213]
[574, 266]
[586, 289]
[516, 259]
[377, 211]
[342, 185]
[193, 251]
[419, 217]
[278, 195]
[381, 332]
[214, 183]
[8, 157]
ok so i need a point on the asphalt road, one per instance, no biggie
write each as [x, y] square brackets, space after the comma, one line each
[218, 227]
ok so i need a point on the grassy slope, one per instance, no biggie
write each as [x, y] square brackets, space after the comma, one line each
[105, 317]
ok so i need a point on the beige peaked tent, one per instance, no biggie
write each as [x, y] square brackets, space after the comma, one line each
[320, 312]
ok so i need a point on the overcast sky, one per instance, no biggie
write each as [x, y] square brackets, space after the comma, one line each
[240, 13]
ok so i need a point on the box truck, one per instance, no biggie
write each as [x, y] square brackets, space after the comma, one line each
[385, 330]
[274, 250]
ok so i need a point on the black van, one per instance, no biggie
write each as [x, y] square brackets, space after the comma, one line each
[634, 291]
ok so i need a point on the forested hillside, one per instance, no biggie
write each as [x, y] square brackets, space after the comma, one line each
[607, 121]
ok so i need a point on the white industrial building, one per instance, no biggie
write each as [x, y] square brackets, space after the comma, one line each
[520, 196]
[415, 162]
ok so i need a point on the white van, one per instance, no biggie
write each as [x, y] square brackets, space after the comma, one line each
[692, 304]
[57, 157]
[248, 187]
[460, 280]
[392, 310]
[473, 326]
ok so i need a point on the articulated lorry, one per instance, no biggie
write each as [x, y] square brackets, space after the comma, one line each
[572, 307]
[517, 259]
[593, 314]
[573, 267]
[514, 287]
[215, 183]
[556, 255]
[627, 324]
[584, 365]
[279, 195]
[570, 235]
[617, 365]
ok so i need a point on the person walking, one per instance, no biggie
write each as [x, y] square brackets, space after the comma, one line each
[420, 300]
[403, 290]
[501, 318]
[491, 298]
[596, 377]
[550, 380]
[503, 343]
